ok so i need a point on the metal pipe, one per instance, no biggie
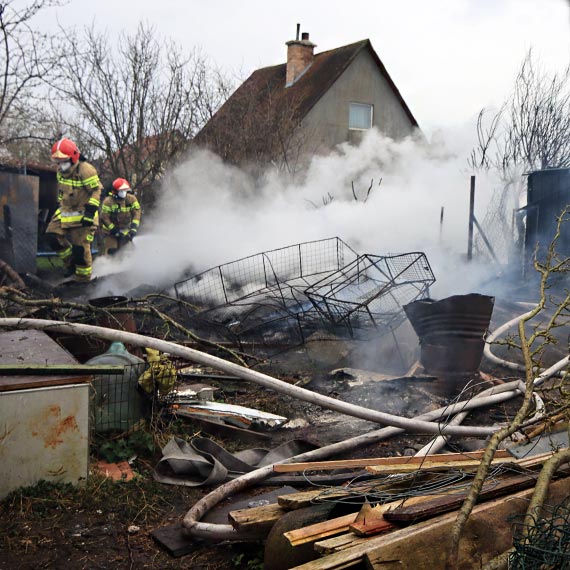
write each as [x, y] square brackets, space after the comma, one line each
[471, 216]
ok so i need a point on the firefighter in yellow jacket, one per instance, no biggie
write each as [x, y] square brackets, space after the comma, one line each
[120, 217]
[72, 227]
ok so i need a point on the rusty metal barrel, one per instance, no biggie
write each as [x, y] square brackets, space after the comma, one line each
[451, 331]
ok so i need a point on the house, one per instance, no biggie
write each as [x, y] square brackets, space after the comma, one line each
[307, 105]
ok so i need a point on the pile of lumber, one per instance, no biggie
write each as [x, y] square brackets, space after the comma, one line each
[410, 533]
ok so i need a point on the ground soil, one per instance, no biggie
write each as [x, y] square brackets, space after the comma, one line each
[107, 525]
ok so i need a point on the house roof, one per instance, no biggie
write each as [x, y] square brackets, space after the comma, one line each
[10, 164]
[269, 83]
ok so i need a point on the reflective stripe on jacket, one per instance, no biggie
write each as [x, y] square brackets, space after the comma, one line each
[80, 192]
[120, 214]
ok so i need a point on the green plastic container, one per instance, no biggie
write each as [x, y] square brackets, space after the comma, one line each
[116, 403]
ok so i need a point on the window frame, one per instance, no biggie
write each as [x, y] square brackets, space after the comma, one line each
[370, 106]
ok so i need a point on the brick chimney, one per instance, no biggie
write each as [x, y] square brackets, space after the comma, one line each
[299, 57]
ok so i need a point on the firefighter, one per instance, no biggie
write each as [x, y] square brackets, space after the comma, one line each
[72, 227]
[120, 217]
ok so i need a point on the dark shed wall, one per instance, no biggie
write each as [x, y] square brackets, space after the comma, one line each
[19, 197]
[547, 195]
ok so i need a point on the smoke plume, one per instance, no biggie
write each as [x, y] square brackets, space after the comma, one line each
[381, 197]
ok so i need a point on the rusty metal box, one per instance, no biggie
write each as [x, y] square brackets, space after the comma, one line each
[44, 420]
[44, 434]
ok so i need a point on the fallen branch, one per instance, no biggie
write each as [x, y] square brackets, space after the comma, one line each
[11, 275]
[15, 296]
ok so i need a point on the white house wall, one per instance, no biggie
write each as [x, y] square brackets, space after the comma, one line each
[362, 82]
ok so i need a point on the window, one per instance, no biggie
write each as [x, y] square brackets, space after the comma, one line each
[360, 116]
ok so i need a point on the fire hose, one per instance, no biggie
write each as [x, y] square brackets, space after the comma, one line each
[247, 374]
[555, 369]
[191, 522]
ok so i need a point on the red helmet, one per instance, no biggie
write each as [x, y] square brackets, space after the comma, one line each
[65, 149]
[120, 184]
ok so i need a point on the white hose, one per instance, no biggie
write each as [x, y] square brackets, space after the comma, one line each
[496, 334]
[554, 369]
[247, 374]
[194, 527]
[191, 522]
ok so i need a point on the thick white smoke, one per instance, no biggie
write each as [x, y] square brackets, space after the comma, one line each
[209, 213]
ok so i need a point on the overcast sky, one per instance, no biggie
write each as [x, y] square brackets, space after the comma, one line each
[449, 58]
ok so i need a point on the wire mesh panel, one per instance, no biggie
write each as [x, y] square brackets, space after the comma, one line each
[116, 403]
[285, 294]
[239, 279]
[372, 290]
[262, 297]
[545, 543]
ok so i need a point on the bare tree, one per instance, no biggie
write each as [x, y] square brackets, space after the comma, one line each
[260, 127]
[532, 128]
[134, 104]
[25, 61]
[555, 308]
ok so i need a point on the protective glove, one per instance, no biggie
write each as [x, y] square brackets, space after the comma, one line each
[89, 214]
[116, 232]
[132, 234]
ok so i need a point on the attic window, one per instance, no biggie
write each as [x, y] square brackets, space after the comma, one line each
[360, 116]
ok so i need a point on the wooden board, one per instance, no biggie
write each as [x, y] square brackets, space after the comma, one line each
[387, 461]
[338, 543]
[426, 466]
[487, 534]
[438, 504]
[34, 347]
[423, 546]
[321, 530]
[307, 498]
[256, 518]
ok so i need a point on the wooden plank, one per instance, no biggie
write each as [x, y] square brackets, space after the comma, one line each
[307, 498]
[379, 461]
[58, 369]
[256, 518]
[423, 546]
[535, 460]
[470, 465]
[321, 530]
[487, 534]
[338, 543]
[372, 527]
[411, 512]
